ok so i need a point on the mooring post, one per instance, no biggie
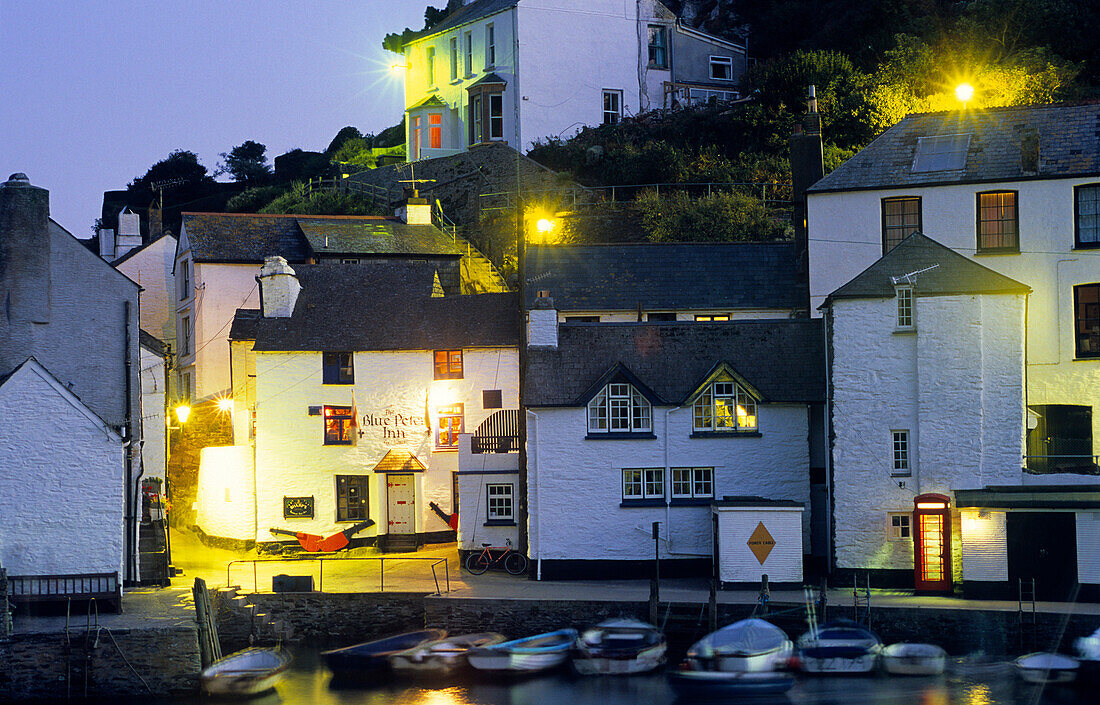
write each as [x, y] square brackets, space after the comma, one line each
[655, 582]
[713, 616]
[5, 614]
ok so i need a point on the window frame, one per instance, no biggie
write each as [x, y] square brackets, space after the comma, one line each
[904, 529]
[726, 61]
[705, 410]
[334, 370]
[429, 65]
[612, 115]
[930, 157]
[901, 453]
[187, 334]
[496, 116]
[508, 498]
[628, 401]
[886, 239]
[1015, 220]
[345, 513]
[490, 46]
[657, 52]
[447, 368]
[648, 478]
[468, 53]
[454, 59]
[906, 318]
[1080, 321]
[185, 279]
[697, 477]
[344, 422]
[445, 418]
[1077, 190]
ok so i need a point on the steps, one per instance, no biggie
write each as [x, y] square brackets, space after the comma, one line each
[399, 543]
[153, 553]
[479, 276]
[241, 621]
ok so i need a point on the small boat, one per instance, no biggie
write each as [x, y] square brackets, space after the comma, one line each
[372, 656]
[1047, 667]
[981, 666]
[246, 672]
[839, 647]
[748, 646]
[709, 685]
[441, 657]
[532, 654]
[1088, 651]
[619, 646]
[906, 659]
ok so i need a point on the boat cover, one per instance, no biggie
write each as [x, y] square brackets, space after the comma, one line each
[749, 636]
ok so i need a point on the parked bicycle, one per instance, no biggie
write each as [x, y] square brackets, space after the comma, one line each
[491, 556]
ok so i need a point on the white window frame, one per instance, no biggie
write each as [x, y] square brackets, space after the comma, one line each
[620, 408]
[647, 480]
[613, 111]
[490, 46]
[724, 61]
[468, 53]
[901, 447]
[661, 47]
[729, 401]
[500, 501]
[496, 116]
[697, 481]
[185, 279]
[894, 530]
[429, 65]
[906, 311]
[454, 58]
[187, 336]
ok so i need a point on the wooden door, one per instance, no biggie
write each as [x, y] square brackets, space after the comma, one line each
[401, 503]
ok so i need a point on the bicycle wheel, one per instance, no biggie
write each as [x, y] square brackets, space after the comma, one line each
[477, 563]
[515, 563]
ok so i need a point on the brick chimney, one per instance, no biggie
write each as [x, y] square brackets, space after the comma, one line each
[24, 251]
[415, 211]
[542, 322]
[279, 288]
[807, 167]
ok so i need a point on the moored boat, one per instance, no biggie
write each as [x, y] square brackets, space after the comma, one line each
[1088, 651]
[748, 646]
[619, 646]
[717, 684]
[905, 659]
[1047, 667]
[841, 647]
[532, 654]
[441, 657]
[370, 657]
[246, 672]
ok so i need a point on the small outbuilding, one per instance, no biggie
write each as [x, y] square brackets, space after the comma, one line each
[753, 537]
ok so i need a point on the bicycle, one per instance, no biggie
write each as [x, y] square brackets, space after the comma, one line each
[480, 561]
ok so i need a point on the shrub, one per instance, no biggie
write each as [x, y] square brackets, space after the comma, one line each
[720, 217]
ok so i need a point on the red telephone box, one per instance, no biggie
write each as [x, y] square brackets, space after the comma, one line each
[932, 543]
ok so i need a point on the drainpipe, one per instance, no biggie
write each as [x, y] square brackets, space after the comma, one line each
[668, 497]
[538, 509]
[130, 564]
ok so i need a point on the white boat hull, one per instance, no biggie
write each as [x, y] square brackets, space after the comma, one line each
[643, 662]
[428, 664]
[754, 663]
[839, 664]
[247, 672]
[914, 659]
[518, 662]
[1047, 668]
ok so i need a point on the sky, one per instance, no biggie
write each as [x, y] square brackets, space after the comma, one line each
[94, 92]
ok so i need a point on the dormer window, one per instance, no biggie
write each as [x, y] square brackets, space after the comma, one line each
[619, 408]
[724, 406]
[905, 307]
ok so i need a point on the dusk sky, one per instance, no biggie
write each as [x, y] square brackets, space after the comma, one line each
[94, 93]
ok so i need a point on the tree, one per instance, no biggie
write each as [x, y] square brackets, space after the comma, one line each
[181, 166]
[345, 134]
[246, 163]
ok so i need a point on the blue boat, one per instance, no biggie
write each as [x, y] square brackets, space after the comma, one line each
[373, 656]
[532, 654]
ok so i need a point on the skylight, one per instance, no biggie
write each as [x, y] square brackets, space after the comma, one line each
[941, 153]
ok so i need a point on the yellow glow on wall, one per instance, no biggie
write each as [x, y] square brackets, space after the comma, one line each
[443, 394]
[545, 225]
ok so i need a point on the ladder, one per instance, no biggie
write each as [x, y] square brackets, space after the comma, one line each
[811, 611]
[861, 601]
[1025, 612]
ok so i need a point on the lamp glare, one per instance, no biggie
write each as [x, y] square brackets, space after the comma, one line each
[225, 404]
[545, 225]
[964, 92]
[182, 412]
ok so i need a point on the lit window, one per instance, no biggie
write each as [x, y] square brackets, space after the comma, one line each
[724, 406]
[451, 423]
[941, 153]
[619, 408]
[435, 130]
[644, 483]
[500, 502]
[721, 68]
[416, 137]
[899, 527]
[905, 307]
[448, 364]
[339, 425]
[901, 452]
[1086, 319]
[468, 45]
[429, 65]
[454, 58]
[1087, 231]
[692, 483]
[496, 116]
[900, 219]
[352, 492]
[490, 46]
[711, 317]
[998, 222]
[612, 107]
[337, 368]
[658, 47]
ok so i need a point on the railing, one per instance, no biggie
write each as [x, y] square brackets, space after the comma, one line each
[380, 196]
[682, 95]
[770, 193]
[497, 434]
[32, 588]
[1072, 464]
[321, 560]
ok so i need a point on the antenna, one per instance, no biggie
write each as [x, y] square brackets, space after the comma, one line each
[413, 180]
[909, 277]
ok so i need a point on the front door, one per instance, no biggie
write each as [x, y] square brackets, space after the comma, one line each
[401, 502]
[1043, 546]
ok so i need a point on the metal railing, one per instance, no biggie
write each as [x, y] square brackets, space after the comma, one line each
[378, 195]
[1076, 464]
[60, 587]
[321, 560]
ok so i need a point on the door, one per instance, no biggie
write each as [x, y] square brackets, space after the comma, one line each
[401, 503]
[1043, 546]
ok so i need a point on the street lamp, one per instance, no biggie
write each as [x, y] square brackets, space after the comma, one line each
[964, 92]
[182, 412]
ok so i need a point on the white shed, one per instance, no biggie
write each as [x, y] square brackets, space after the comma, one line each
[754, 536]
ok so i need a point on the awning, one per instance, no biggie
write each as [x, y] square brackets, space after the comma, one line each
[1031, 497]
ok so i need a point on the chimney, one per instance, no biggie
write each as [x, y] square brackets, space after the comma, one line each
[24, 251]
[415, 211]
[807, 167]
[542, 322]
[106, 244]
[279, 288]
[129, 232]
[1029, 151]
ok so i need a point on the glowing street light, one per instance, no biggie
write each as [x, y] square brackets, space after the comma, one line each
[398, 68]
[964, 92]
[545, 225]
[182, 412]
[225, 404]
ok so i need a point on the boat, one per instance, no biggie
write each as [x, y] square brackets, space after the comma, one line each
[372, 656]
[748, 646]
[619, 646]
[981, 666]
[838, 647]
[246, 672]
[532, 654]
[442, 656]
[711, 685]
[1047, 667]
[905, 659]
[1088, 652]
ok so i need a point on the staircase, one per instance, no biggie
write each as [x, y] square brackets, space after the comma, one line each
[399, 543]
[478, 274]
[153, 553]
[241, 621]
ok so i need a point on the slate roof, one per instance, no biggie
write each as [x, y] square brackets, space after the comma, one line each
[1069, 145]
[955, 274]
[468, 13]
[732, 275]
[783, 359]
[381, 306]
[487, 79]
[399, 460]
[432, 101]
[244, 324]
[152, 343]
[331, 236]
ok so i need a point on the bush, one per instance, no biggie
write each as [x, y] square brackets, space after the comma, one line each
[720, 217]
[253, 199]
[298, 200]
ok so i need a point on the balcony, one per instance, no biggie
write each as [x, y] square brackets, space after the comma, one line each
[497, 434]
[683, 95]
[1055, 454]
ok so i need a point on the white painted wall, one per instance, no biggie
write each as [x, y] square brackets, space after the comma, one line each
[227, 492]
[475, 471]
[736, 560]
[1088, 547]
[153, 390]
[152, 270]
[984, 545]
[61, 489]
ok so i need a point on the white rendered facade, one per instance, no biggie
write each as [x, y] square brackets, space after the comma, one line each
[152, 268]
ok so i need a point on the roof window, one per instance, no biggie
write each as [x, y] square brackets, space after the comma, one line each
[941, 153]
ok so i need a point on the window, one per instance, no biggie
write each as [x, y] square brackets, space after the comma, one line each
[998, 222]
[711, 317]
[490, 46]
[1059, 439]
[692, 483]
[721, 68]
[724, 406]
[351, 497]
[429, 65]
[496, 116]
[1086, 319]
[901, 452]
[500, 502]
[905, 307]
[454, 58]
[901, 217]
[185, 386]
[582, 319]
[644, 483]
[416, 137]
[185, 336]
[185, 279]
[491, 399]
[612, 107]
[468, 47]
[899, 527]
[448, 364]
[619, 408]
[337, 368]
[451, 423]
[941, 153]
[339, 425]
[435, 130]
[667, 316]
[1087, 212]
[658, 47]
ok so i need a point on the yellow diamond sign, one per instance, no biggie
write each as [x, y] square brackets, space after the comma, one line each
[761, 543]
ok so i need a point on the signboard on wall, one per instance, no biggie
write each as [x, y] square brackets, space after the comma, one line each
[297, 507]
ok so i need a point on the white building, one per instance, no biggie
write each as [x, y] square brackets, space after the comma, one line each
[1016, 190]
[356, 383]
[151, 267]
[519, 71]
[634, 423]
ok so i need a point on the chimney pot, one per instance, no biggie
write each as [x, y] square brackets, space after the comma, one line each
[279, 288]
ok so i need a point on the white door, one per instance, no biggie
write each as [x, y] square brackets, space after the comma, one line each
[401, 494]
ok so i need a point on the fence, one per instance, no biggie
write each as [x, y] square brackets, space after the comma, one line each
[378, 195]
[434, 564]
